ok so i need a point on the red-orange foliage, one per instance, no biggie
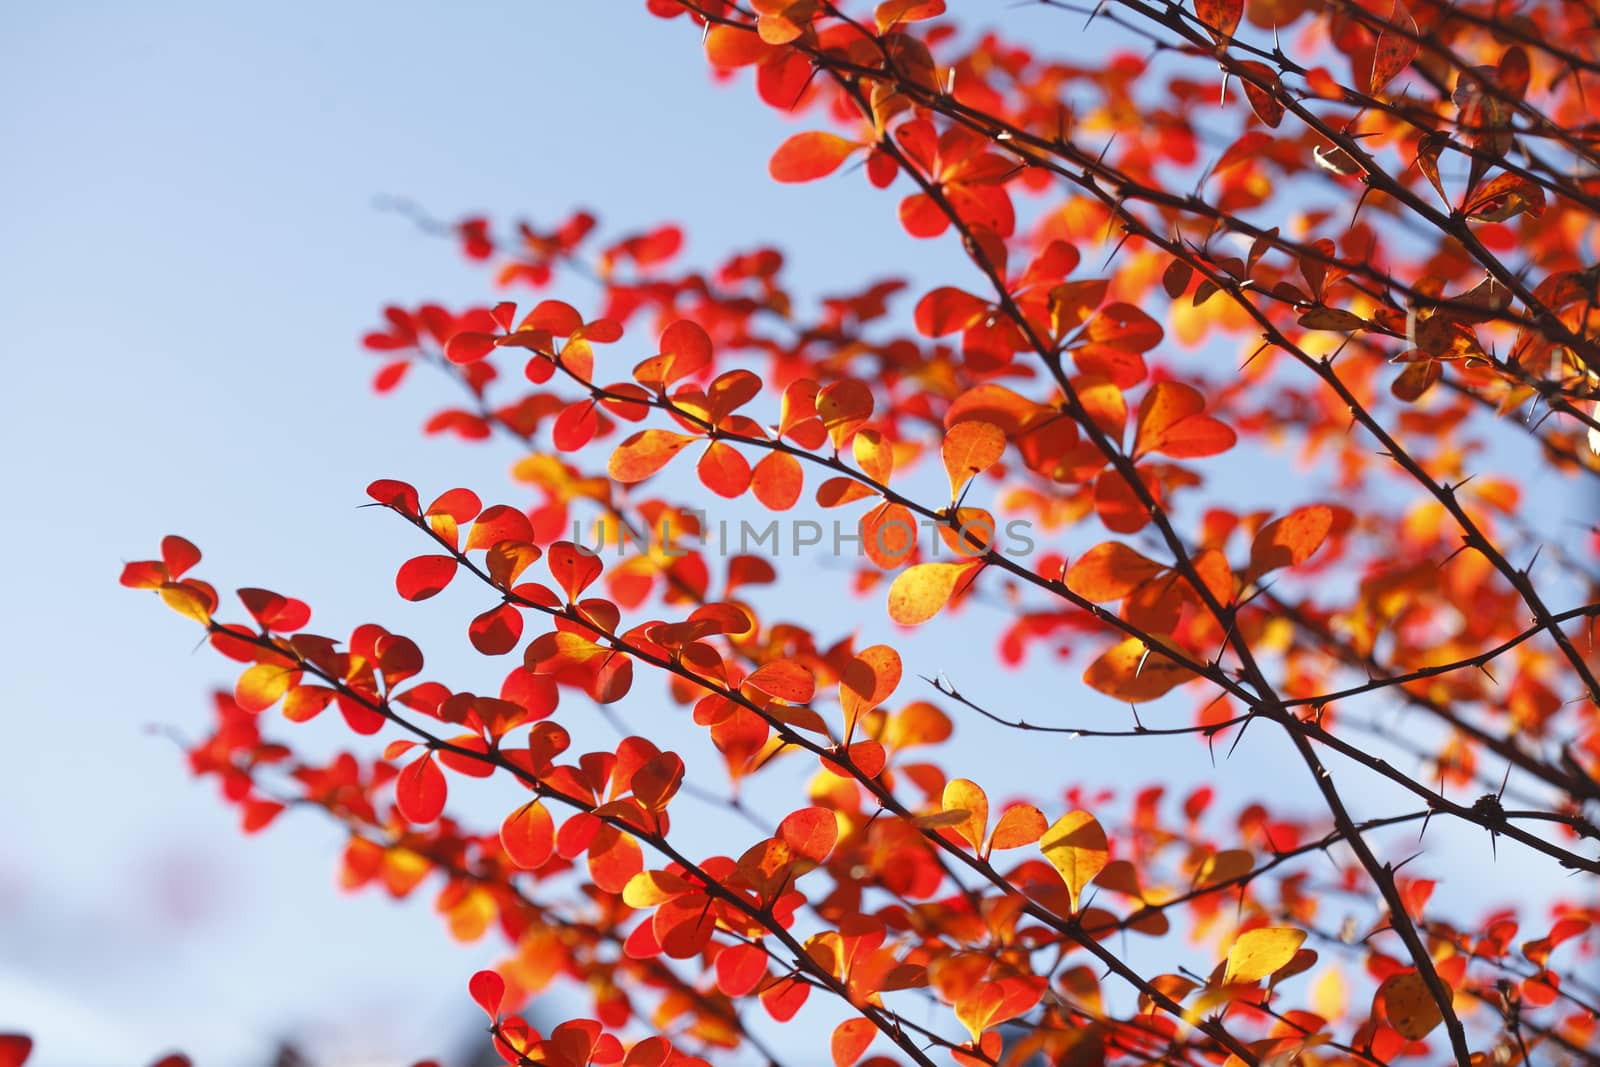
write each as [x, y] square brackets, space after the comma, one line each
[1375, 222]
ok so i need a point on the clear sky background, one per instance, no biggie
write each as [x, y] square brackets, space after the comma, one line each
[191, 254]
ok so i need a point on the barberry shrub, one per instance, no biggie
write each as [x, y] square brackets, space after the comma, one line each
[1275, 342]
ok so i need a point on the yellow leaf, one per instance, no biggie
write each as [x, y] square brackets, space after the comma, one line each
[963, 795]
[1257, 953]
[1076, 846]
[1329, 995]
[186, 601]
[921, 592]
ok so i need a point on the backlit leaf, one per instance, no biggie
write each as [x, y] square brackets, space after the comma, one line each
[808, 156]
[1396, 48]
[420, 790]
[969, 449]
[1410, 1005]
[644, 453]
[921, 592]
[1077, 848]
[1255, 954]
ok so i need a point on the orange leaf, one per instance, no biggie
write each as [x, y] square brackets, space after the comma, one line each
[1076, 846]
[1170, 421]
[808, 156]
[948, 310]
[1395, 49]
[850, 1040]
[888, 534]
[723, 470]
[844, 406]
[644, 453]
[1290, 540]
[992, 1003]
[1410, 1005]
[784, 679]
[263, 685]
[777, 481]
[186, 600]
[1110, 571]
[868, 680]
[810, 832]
[892, 13]
[969, 449]
[1019, 825]
[921, 592]
[1133, 671]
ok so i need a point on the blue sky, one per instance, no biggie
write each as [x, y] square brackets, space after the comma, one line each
[192, 255]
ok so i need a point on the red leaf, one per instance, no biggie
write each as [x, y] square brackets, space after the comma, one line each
[783, 999]
[15, 1049]
[488, 991]
[424, 576]
[573, 569]
[740, 969]
[529, 836]
[420, 791]
[469, 347]
[397, 495]
[179, 555]
[496, 631]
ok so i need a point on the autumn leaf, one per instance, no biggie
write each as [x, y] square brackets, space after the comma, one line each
[1077, 848]
[1221, 17]
[808, 156]
[969, 449]
[1255, 954]
[1109, 572]
[1171, 421]
[420, 791]
[1135, 672]
[1410, 1005]
[921, 592]
[528, 836]
[644, 453]
[1396, 48]
[15, 1049]
[968, 798]
[1290, 540]
[425, 576]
